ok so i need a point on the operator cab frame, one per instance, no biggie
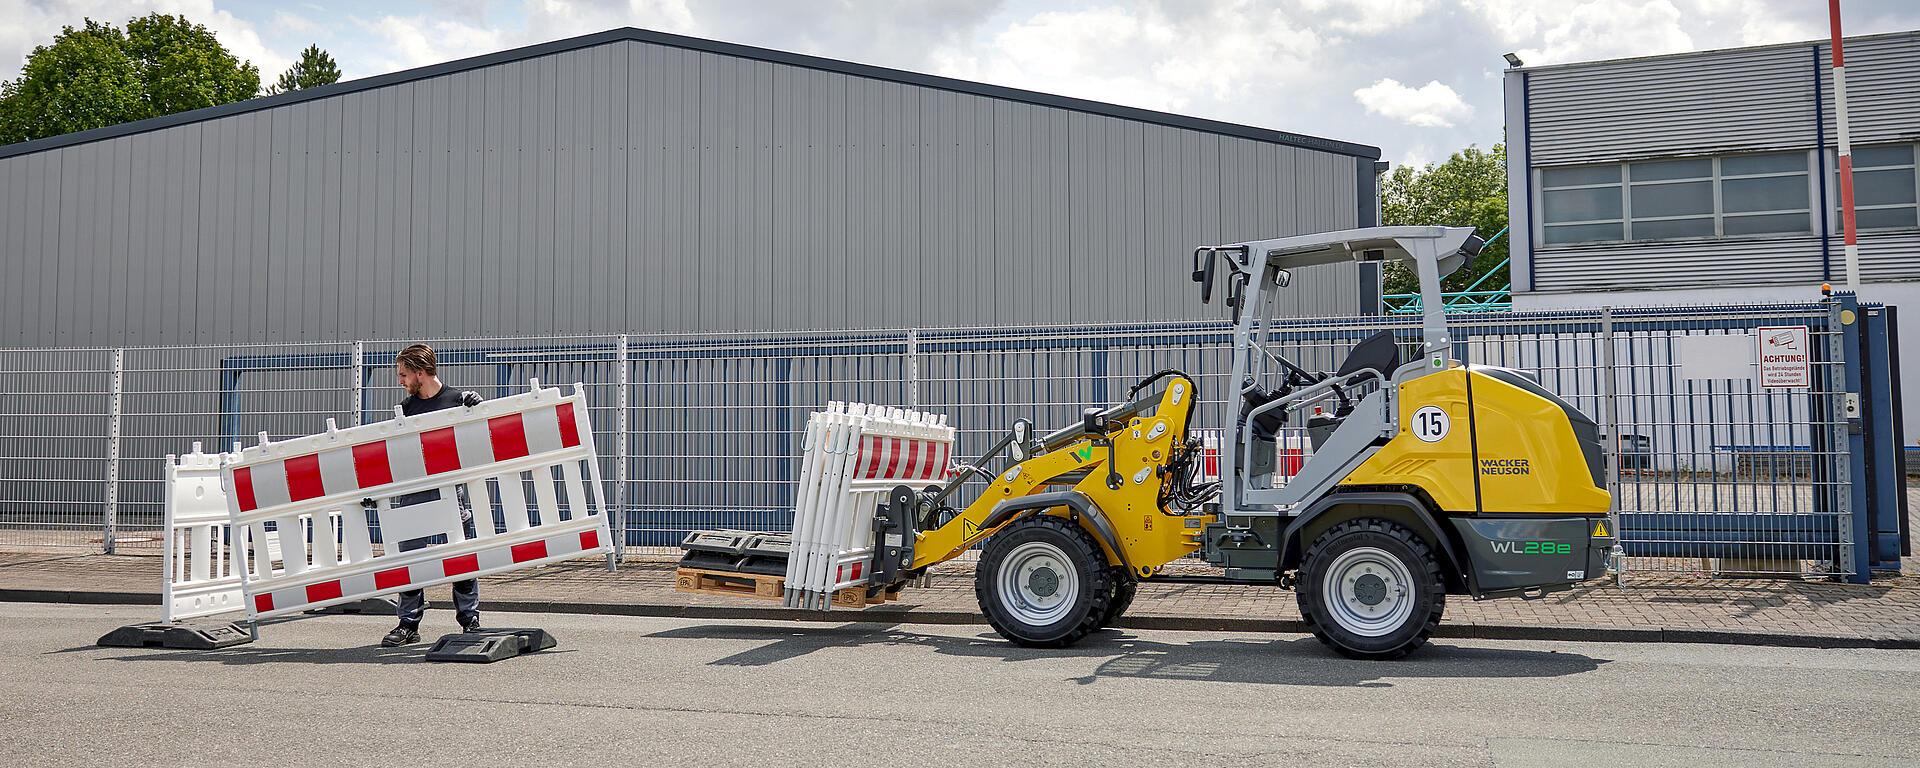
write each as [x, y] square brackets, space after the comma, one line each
[1363, 386]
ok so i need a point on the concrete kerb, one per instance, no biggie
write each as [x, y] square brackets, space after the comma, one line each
[1174, 623]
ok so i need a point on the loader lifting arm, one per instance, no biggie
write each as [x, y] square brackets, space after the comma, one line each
[1119, 460]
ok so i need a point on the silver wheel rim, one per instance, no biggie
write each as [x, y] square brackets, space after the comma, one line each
[1368, 592]
[1038, 583]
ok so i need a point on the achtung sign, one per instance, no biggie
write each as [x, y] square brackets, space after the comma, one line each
[1785, 356]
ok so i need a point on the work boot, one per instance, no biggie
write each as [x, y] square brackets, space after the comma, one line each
[470, 624]
[401, 635]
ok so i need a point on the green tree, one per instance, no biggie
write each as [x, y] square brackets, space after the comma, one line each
[1469, 189]
[98, 75]
[314, 69]
[85, 79]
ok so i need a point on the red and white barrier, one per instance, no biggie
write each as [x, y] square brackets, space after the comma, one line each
[202, 575]
[854, 455]
[311, 488]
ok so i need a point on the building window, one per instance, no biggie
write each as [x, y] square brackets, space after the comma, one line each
[1670, 198]
[1581, 204]
[1673, 199]
[1884, 188]
[1765, 195]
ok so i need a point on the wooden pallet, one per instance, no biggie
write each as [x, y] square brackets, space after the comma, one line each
[759, 586]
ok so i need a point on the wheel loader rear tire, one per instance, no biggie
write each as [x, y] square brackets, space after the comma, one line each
[1043, 582]
[1371, 589]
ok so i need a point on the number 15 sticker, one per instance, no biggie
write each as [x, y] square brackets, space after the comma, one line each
[1431, 424]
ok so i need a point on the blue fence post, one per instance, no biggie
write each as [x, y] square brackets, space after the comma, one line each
[1882, 459]
[1899, 422]
[1855, 448]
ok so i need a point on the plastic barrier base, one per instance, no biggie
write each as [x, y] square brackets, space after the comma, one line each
[372, 606]
[167, 634]
[490, 645]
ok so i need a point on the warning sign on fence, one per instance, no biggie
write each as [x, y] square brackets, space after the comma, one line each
[1786, 356]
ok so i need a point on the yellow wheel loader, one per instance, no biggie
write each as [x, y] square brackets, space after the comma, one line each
[1373, 491]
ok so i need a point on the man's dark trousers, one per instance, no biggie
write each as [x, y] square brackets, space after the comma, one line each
[466, 594]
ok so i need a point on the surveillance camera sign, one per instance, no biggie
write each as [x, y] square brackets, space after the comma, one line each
[1785, 356]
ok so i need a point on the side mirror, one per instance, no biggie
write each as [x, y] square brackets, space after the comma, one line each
[1205, 261]
[1282, 278]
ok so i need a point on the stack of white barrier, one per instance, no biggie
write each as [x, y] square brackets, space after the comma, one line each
[202, 576]
[854, 455]
[310, 490]
[199, 573]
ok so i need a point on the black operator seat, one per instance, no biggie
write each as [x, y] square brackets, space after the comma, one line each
[1380, 352]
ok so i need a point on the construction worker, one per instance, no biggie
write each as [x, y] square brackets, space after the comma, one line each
[418, 372]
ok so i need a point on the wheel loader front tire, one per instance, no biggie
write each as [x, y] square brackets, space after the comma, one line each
[1043, 582]
[1371, 589]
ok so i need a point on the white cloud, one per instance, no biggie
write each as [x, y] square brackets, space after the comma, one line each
[1597, 29]
[292, 22]
[1433, 105]
[1418, 155]
[1585, 30]
[415, 41]
[1367, 17]
[556, 19]
[1162, 57]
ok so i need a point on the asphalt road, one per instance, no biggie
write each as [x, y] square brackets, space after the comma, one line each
[657, 692]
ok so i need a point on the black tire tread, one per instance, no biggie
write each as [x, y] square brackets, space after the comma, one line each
[1124, 589]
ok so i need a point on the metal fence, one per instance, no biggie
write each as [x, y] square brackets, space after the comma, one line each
[1710, 475]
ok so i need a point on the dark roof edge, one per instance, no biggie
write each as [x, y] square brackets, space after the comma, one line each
[696, 44]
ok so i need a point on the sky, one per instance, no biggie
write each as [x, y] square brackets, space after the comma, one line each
[1418, 78]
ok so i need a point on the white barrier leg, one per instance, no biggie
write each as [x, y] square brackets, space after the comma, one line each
[812, 462]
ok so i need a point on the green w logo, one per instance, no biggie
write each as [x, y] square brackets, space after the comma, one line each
[1083, 452]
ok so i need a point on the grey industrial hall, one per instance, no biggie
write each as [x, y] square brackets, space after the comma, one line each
[634, 181]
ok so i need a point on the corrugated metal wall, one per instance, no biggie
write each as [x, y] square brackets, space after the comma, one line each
[1711, 103]
[1883, 97]
[1666, 106]
[637, 187]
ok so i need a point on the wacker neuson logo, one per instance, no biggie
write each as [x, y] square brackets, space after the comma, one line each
[1505, 467]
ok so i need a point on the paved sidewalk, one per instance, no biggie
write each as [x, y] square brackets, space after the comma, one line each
[1677, 609]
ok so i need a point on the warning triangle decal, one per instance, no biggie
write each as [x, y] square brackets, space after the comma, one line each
[969, 529]
[1600, 529]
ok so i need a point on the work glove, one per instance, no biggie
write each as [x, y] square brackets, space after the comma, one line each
[469, 398]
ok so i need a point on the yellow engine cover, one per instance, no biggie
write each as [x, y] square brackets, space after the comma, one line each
[1529, 458]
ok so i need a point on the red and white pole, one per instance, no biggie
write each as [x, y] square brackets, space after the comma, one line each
[1846, 150]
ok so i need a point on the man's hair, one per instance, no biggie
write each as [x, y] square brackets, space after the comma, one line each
[418, 358]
